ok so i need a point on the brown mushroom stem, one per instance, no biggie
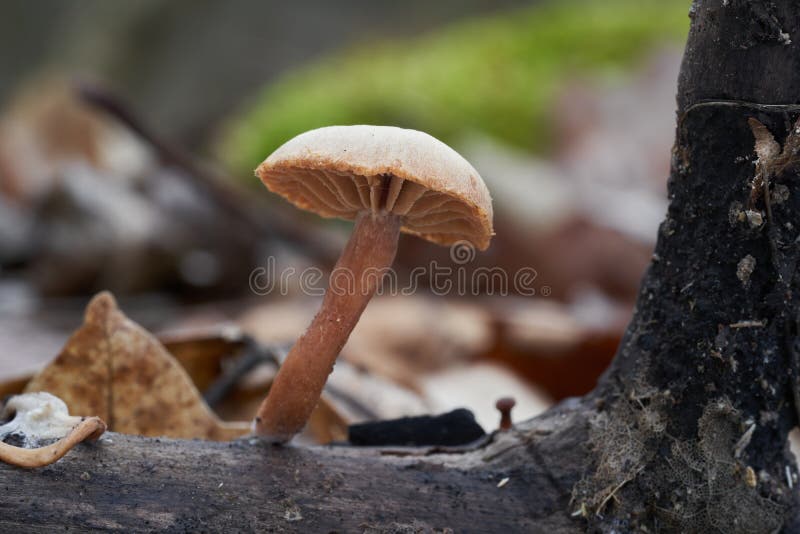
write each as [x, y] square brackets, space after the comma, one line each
[90, 428]
[357, 275]
[504, 406]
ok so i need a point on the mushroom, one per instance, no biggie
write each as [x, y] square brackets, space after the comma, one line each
[388, 180]
[38, 417]
[504, 405]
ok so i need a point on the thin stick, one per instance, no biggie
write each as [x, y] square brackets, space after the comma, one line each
[90, 428]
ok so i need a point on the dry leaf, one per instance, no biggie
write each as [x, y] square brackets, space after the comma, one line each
[551, 346]
[114, 368]
[398, 337]
[204, 353]
[13, 386]
[404, 337]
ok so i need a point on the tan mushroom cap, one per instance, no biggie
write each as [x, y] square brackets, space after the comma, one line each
[339, 171]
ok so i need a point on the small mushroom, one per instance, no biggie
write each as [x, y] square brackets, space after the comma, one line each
[388, 180]
[40, 417]
[504, 406]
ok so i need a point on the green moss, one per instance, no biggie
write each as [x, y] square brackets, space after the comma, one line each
[497, 75]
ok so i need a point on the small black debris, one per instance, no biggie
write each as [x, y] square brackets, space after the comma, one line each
[449, 429]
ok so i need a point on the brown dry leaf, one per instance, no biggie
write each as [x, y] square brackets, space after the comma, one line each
[114, 368]
[203, 354]
[398, 337]
[326, 424]
[550, 345]
[405, 337]
[13, 386]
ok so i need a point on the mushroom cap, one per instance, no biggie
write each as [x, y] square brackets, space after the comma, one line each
[505, 403]
[339, 171]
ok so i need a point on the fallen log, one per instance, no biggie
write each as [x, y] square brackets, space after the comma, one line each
[519, 481]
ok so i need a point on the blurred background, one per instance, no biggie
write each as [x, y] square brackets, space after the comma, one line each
[129, 132]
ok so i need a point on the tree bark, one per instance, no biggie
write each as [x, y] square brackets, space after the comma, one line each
[687, 431]
[144, 484]
[706, 375]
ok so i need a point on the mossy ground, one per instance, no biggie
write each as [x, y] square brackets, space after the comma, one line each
[497, 76]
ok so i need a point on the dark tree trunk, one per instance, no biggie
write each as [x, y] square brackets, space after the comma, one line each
[687, 431]
[701, 395]
[741, 50]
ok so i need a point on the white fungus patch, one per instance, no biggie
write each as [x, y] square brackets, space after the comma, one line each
[36, 418]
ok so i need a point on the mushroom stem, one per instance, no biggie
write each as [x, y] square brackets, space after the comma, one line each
[89, 428]
[504, 406]
[355, 279]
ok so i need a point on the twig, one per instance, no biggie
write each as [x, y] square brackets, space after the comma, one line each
[254, 355]
[90, 428]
